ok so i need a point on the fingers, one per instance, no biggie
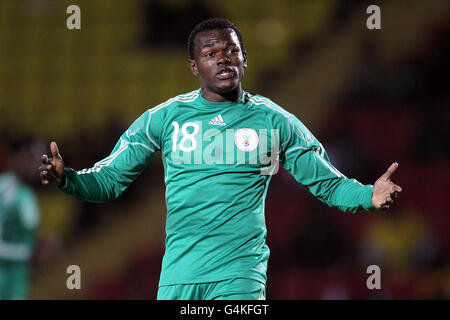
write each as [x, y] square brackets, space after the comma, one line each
[45, 167]
[387, 203]
[394, 190]
[390, 171]
[390, 196]
[387, 195]
[385, 191]
[48, 166]
[44, 179]
[55, 151]
[44, 176]
[46, 171]
[44, 159]
[392, 187]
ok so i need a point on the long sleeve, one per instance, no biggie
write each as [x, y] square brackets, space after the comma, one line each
[304, 157]
[108, 178]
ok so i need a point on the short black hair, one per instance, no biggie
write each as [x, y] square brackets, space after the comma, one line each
[211, 24]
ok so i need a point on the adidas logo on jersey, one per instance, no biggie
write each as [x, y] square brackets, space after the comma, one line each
[217, 121]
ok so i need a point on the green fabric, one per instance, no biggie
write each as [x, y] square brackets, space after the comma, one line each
[230, 289]
[218, 160]
[19, 220]
[14, 278]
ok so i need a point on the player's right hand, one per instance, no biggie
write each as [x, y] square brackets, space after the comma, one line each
[52, 169]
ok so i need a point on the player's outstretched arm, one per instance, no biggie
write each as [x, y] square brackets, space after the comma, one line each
[108, 178]
[307, 161]
[52, 169]
[384, 190]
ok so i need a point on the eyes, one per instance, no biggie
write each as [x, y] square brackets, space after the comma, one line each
[212, 53]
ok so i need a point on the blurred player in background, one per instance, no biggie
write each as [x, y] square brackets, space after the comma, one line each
[19, 216]
[215, 228]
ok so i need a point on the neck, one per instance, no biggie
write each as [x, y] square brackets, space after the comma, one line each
[212, 96]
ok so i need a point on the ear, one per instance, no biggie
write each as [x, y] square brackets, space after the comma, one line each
[193, 67]
[244, 53]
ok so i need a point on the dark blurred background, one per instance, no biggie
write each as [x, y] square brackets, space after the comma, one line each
[371, 97]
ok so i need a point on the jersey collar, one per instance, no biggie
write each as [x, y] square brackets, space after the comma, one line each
[203, 101]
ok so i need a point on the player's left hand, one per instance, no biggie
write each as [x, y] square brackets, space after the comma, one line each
[384, 190]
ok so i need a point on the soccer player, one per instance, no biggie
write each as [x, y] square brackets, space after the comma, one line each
[220, 146]
[19, 218]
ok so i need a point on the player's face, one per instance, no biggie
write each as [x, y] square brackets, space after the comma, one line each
[219, 60]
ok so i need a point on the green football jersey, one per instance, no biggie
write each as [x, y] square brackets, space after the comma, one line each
[19, 220]
[218, 160]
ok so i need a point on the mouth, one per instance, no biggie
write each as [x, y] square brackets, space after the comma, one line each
[226, 73]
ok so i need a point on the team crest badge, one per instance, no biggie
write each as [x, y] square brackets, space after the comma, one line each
[246, 139]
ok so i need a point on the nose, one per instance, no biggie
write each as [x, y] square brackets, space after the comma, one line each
[223, 59]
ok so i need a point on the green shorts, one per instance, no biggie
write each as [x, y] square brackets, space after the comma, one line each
[230, 289]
